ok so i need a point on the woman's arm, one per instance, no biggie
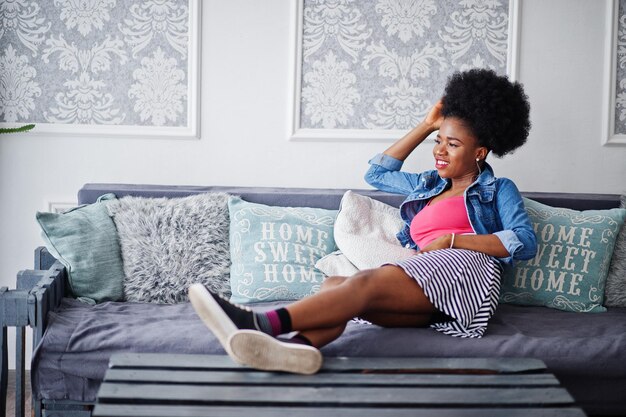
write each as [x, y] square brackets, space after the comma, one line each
[384, 172]
[488, 244]
[518, 234]
[407, 144]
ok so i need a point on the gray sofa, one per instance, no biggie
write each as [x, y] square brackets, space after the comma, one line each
[73, 341]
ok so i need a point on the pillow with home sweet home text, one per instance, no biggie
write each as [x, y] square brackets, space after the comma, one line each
[572, 262]
[273, 250]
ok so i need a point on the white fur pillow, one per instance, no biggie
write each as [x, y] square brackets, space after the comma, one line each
[365, 232]
[169, 243]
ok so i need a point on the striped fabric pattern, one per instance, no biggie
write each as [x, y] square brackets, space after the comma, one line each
[464, 284]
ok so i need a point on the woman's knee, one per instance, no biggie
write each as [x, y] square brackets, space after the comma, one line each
[357, 282]
[364, 281]
[389, 288]
[332, 282]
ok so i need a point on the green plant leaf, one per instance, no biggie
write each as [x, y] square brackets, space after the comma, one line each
[24, 128]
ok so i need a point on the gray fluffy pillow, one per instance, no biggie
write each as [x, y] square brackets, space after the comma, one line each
[168, 244]
[615, 290]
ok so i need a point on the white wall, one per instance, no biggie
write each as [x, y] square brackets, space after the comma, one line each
[246, 65]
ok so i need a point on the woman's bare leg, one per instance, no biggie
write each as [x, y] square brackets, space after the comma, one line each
[322, 337]
[387, 290]
[386, 294]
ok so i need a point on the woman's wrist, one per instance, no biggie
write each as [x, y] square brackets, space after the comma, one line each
[426, 127]
[489, 244]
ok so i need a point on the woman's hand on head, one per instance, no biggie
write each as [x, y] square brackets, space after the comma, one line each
[403, 147]
[434, 117]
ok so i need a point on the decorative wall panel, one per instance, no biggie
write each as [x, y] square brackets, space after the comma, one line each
[94, 63]
[374, 66]
[615, 99]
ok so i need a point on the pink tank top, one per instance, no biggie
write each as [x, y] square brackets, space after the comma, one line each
[434, 220]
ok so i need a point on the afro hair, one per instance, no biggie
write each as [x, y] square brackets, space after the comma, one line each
[494, 108]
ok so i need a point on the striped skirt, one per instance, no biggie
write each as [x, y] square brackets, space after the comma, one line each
[462, 284]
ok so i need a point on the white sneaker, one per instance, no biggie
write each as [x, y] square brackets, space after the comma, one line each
[261, 351]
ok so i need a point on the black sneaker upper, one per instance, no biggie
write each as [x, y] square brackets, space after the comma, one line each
[241, 316]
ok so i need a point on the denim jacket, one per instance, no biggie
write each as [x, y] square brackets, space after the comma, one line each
[494, 205]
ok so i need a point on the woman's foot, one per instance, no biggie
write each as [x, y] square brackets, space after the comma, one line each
[262, 351]
[221, 317]
[238, 332]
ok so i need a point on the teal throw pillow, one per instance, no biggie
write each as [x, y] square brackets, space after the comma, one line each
[273, 250]
[85, 241]
[572, 262]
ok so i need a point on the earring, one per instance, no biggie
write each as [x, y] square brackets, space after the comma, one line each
[478, 166]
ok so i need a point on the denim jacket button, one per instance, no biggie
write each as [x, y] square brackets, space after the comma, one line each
[408, 245]
[420, 195]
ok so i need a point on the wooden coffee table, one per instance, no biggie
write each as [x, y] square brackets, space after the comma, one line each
[160, 385]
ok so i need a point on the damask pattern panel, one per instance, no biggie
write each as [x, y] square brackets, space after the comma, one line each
[106, 66]
[615, 74]
[372, 68]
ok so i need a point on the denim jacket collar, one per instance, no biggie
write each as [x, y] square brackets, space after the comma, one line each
[485, 180]
[486, 177]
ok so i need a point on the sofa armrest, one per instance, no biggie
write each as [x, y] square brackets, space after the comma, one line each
[37, 292]
[43, 258]
[46, 288]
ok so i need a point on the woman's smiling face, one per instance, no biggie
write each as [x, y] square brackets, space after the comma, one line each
[456, 149]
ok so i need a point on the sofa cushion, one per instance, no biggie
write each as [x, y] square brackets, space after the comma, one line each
[168, 244]
[365, 231]
[572, 261]
[615, 292]
[336, 264]
[85, 241]
[587, 347]
[274, 250]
